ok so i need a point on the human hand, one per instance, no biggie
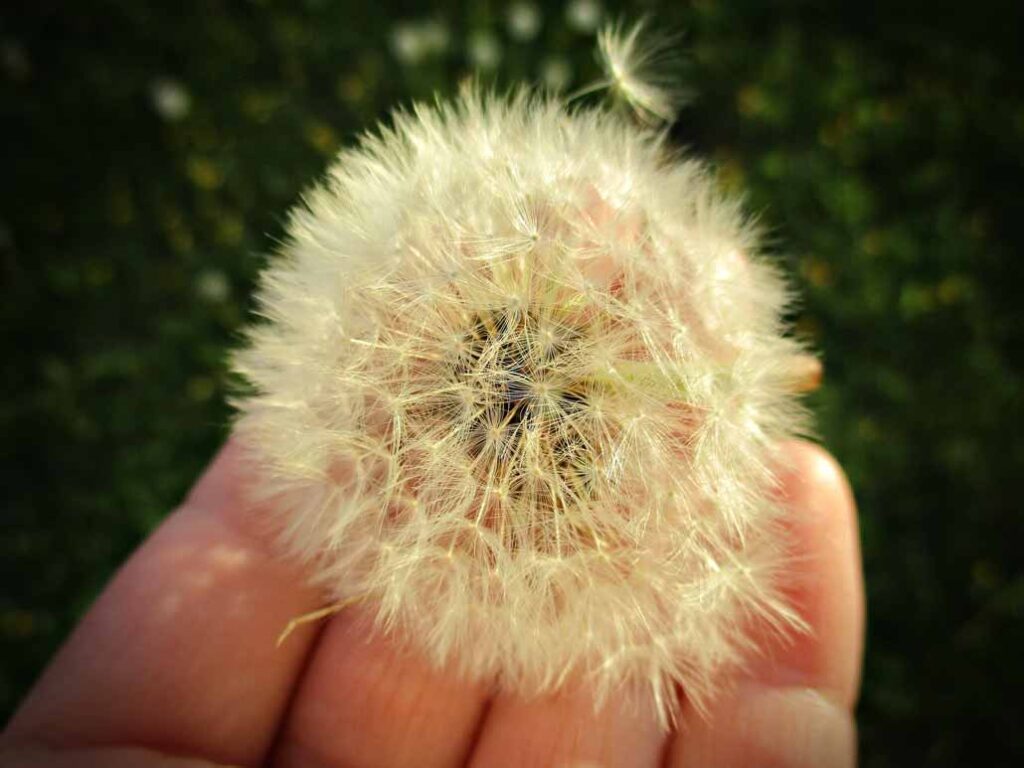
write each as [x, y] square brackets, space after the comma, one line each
[176, 666]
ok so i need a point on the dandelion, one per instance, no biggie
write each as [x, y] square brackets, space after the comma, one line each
[517, 392]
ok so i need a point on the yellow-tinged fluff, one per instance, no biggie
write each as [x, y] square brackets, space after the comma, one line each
[518, 390]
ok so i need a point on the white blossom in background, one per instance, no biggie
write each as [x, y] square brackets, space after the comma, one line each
[170, 99]
[414, 41]
[213, 286]
[518, 389]
[407, 42]
[436, 36]
[583, 15]
[556, 73]
[484, 49]
[524, 21]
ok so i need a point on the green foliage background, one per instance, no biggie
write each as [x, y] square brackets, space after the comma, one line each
[151, 150]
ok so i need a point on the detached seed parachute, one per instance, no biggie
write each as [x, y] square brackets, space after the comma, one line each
[517, 391]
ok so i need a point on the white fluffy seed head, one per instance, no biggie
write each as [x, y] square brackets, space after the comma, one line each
[518, 389]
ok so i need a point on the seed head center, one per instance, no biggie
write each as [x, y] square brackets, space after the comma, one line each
[518, 367]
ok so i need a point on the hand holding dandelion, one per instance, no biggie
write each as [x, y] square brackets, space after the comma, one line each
[176, 664]
[522, 404]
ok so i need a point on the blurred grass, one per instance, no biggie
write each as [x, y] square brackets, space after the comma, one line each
[151, 151]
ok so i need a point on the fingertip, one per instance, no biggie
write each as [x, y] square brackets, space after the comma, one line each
[824, 582]
[769, 726]
[809, 472]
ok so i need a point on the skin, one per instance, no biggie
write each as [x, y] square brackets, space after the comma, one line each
[175, 666]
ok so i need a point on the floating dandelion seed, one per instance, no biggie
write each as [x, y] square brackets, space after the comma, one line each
[517, 391]
[639, 68]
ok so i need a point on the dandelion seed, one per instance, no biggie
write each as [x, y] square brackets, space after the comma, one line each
[639, 66]
[518, 390]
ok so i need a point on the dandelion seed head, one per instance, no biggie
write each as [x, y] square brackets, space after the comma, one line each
[518, 388]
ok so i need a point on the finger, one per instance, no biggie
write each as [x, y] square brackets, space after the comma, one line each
[793, 707]
[566, 730]
[781, 727]
[826, 583]
[365, 701]
[115, 757]
[178, 654]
